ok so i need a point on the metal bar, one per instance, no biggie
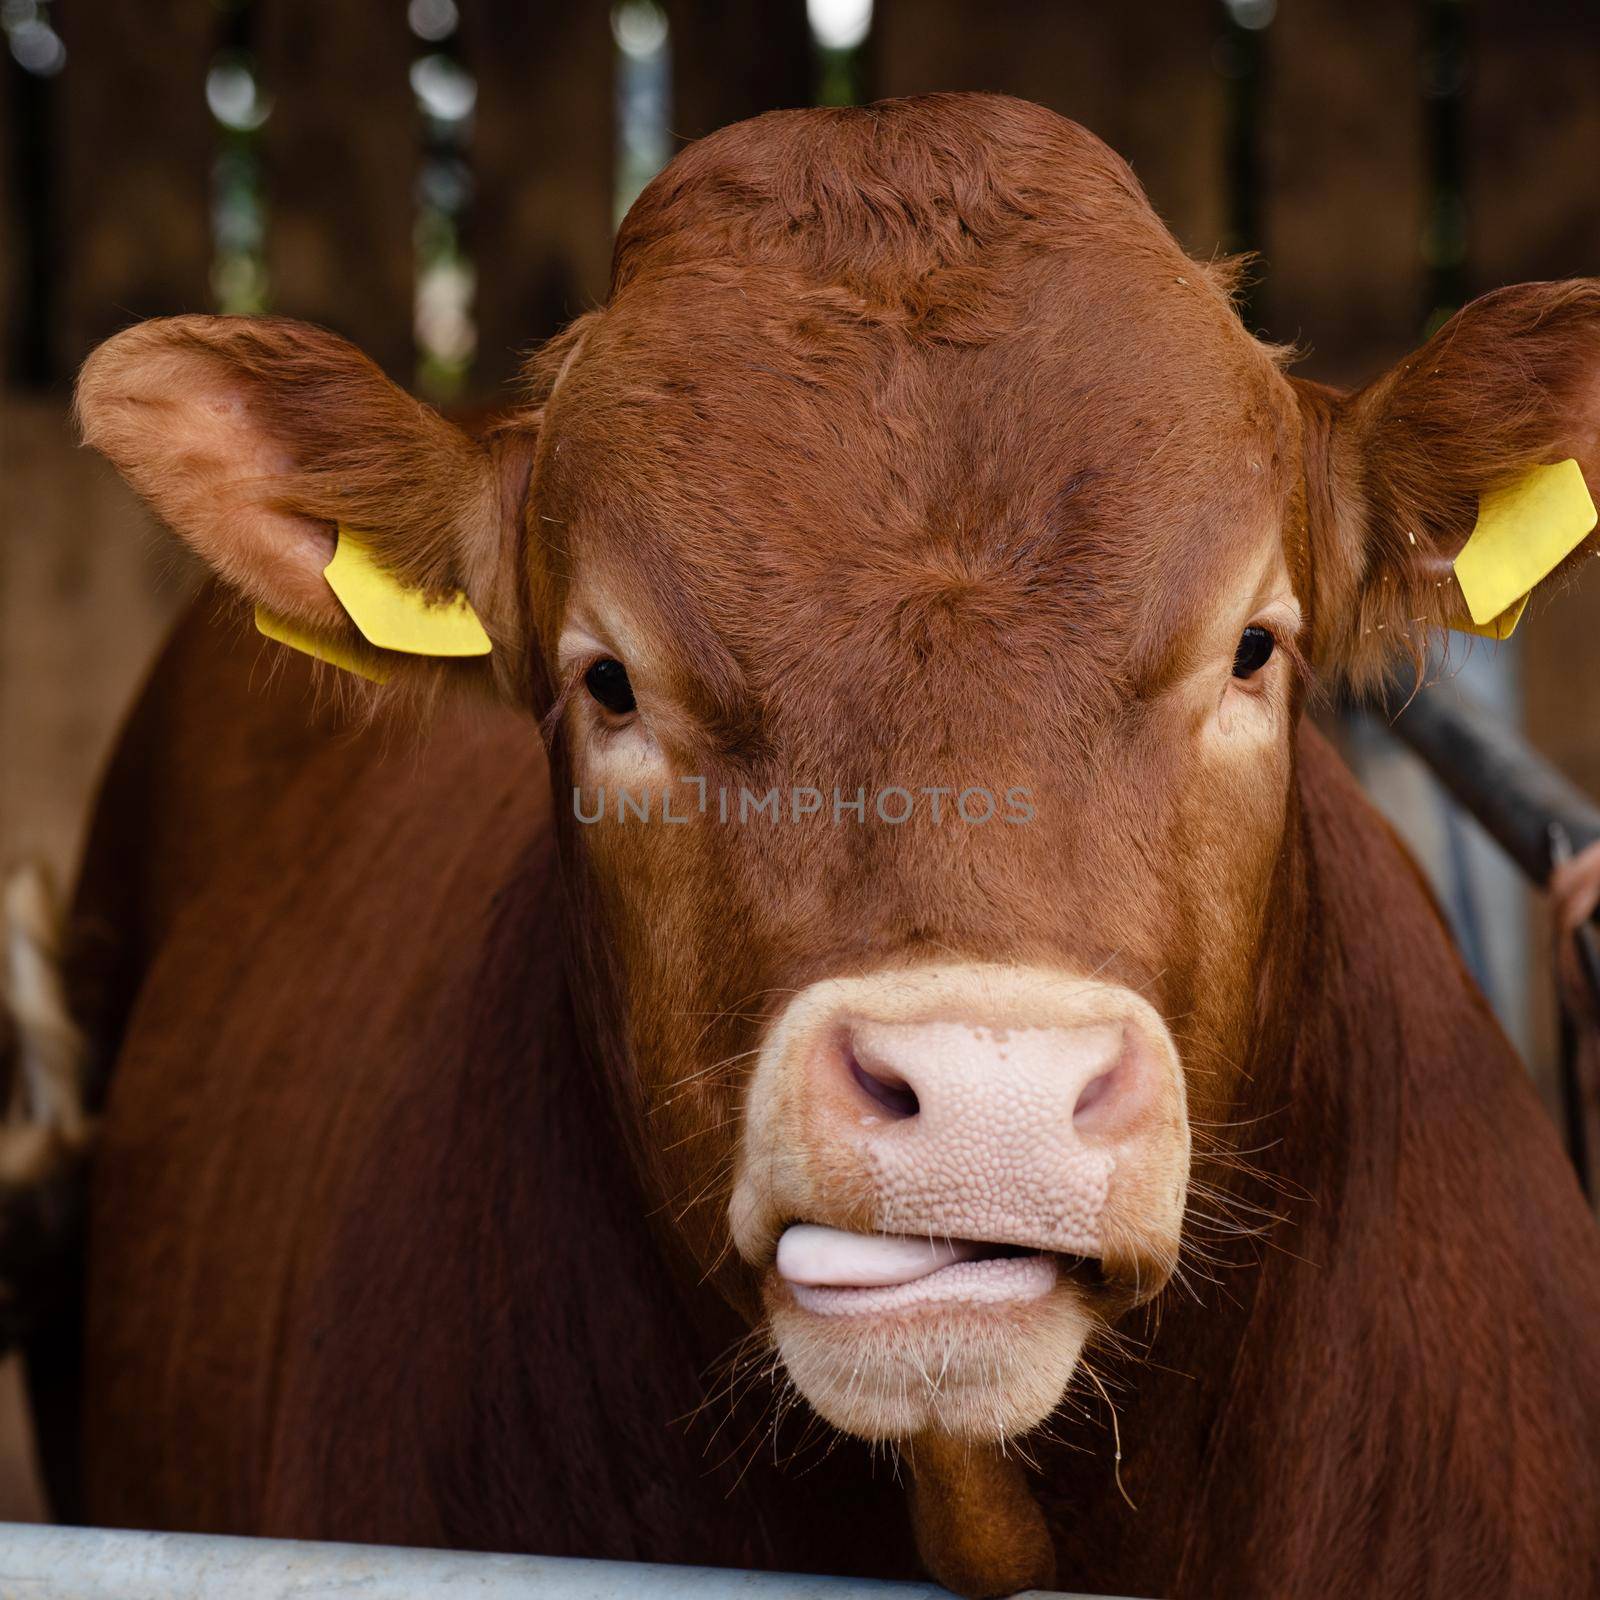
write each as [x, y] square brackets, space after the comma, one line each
[1537, 816]
[44, 1563]
[1577, 1134]
[1571, 1046]
[1507, 785]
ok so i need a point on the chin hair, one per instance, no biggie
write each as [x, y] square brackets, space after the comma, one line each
[984, 1378]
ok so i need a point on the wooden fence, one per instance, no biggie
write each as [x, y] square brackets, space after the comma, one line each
[1386, 158]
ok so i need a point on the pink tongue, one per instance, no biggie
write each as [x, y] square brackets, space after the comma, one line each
[830, 1258]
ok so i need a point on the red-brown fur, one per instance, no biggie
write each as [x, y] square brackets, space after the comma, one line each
[350, 1330]
[403, 1228]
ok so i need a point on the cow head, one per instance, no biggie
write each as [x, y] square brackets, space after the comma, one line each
[917, 569]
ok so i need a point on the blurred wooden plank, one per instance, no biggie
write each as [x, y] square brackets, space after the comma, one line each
[1560, 701]
[340, 153]
[1346, 185]
[1055, 52]
[135, 152]
[87, 590]
[1172, 118]
[1533, 131]
[1533, 135]
[732, 60]
[21, 1492]
[1143, 80]
[540, 231]
[16, 243]
[1561, 677]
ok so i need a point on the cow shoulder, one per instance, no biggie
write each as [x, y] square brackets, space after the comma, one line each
[1416, 1353]
[306, 903]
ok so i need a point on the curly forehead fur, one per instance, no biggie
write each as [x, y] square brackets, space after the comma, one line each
[937, 356]
[916, 207]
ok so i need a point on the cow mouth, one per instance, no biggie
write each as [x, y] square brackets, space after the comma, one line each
[833, 1273]
[892, 1336]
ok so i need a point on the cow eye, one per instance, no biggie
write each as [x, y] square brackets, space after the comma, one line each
[1253, 653]
[607, 681]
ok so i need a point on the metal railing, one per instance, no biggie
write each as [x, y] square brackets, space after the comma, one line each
[44, 1563]
[1535, 814]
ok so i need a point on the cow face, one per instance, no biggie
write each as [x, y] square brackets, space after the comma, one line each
[915, 566]
[924, 696]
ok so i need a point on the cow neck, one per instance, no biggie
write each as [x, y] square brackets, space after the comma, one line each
[612, 1334]
[1423, 1269]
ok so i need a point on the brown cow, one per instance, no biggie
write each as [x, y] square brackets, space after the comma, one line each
[476, 1173]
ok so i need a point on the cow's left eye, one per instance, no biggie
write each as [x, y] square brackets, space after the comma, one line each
[1253, 653]
[607, 681]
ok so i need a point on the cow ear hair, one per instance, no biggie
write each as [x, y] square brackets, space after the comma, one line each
[1395, 472]
[256, 438]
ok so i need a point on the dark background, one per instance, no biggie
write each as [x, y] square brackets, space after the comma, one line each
[1386, 158]
[440, 179]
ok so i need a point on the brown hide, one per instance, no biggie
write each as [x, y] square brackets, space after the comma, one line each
[391, 1278]
[1403, 1396]
[368, 1260]
[909, 449]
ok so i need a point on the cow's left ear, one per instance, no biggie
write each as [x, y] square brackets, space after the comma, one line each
[256, 439]
[1396, 473]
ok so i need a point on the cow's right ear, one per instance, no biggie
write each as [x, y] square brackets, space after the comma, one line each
[256, 438]
[1396, 473]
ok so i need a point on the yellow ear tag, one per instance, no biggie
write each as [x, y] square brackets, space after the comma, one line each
[393, 617]
[329, 650]
[1501, 627]
[1523, 533]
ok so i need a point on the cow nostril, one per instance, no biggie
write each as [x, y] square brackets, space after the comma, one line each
[895, 1095]
[1094, 1094]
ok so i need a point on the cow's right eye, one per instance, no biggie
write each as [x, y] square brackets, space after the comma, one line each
[1253, 652]
[607, 681]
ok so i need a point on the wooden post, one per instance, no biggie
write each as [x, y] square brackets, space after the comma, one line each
[1144, 82]
[1171, 119]
[1533, 133]
[732, 60]
[541, 227]
[340, 152]
[1041, 50]
[87, 588]
[16, 243]
[1345, 183]
[1533, 138]
[135, 167]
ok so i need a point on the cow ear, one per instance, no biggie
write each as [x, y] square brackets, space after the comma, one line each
[1396, 473]
[256, 439]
